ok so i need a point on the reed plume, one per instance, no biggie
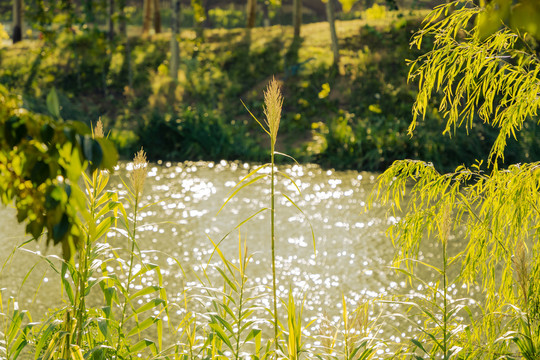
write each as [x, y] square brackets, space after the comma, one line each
[273, 103]
[98, 130]
[138, 175]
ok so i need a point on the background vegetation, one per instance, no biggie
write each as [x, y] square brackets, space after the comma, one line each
[481, 73]
[354, 116]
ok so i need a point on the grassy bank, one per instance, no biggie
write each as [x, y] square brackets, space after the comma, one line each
[353, 117]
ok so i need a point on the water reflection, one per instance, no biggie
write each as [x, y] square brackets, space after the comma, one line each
[181, 202]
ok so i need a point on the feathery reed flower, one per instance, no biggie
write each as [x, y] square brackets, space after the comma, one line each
[273, 102]
[98, 130]
[139, 172]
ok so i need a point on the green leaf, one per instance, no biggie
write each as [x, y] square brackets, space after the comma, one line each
[74, 167]
[60, 230]
[418, 345]
[145, 269]
[53, 197]
[237, 187]
[66, 284]
[104, 227]
[92, 152]
[221, 334]
[40, 173]
[143, 344]
[145, 324]
[110, 155]
[145, 291]
[150, 305]
[223, 322]
[53, 105]
[35, 228]
[227, 280]
[252, 334]
[257, 120]
[525, 16]
[47, 133]
[103, 325]
[287, 156]
[14, 325]
[310, 226]
[14, 131]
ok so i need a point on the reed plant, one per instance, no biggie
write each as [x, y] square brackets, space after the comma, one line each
[80, 331]
[233, 319]
[293, 329]
[439, 320]
[526, 313]
[273, 104]
[13, 332]
[353, 338]
[67, 331]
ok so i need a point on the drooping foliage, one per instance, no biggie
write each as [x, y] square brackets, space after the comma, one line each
[494, 209]
[495, 79]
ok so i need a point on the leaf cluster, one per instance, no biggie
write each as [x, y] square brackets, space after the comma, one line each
[41, 160]
[495, 213]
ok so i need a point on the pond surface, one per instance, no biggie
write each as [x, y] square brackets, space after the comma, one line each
[352, 253]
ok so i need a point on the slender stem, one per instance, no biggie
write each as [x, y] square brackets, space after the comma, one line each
[242, 263]
[445, 302]
[346, 341]
[131, 260]
[272, 205]
[83, 267]
[239, 320]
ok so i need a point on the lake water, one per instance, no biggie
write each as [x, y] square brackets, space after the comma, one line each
[352, 253]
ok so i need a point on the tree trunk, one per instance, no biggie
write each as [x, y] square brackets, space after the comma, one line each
[17, 21]
[207, 24]
[175, 49]
[122, 21]
[122, 28]
[297, 17]
[157, 17]
[147, 16]
[266, 14]
[332, 22]
[251, 13]
[88, 12]
[110, 19]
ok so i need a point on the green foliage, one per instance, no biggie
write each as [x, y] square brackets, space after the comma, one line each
[497, 80]
[523, 16]
[85, 59]
[485, 85]
[193, 133]
[90, 76]
[227, 18]
[375, 12]
[41, 161]
[3, 34]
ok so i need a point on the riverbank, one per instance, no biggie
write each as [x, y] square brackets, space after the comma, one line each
[354, 117]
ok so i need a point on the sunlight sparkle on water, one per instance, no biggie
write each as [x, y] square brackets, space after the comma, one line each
[184, 199]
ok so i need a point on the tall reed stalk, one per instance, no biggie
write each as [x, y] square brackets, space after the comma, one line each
[94, 185]
[273, 101]
[273, 104]
[137, 179]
